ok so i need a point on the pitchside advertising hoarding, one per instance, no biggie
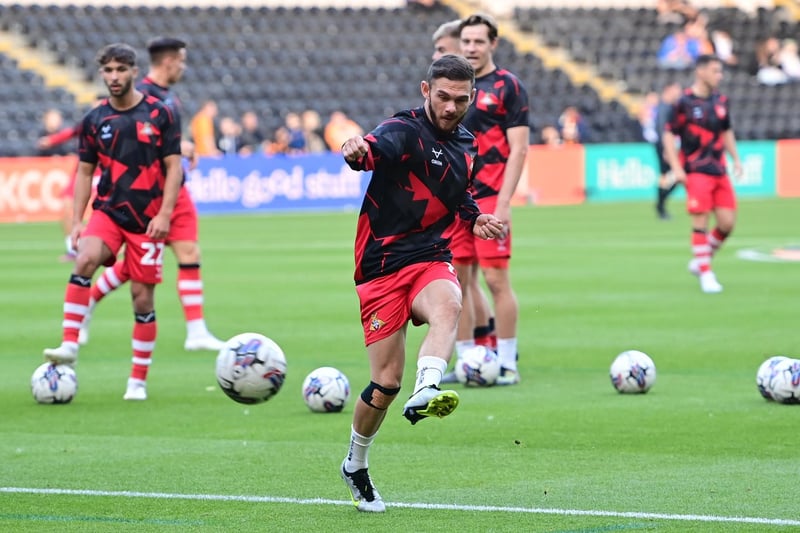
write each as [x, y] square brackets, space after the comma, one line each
[31, 188]
[615, 172]
[277, 183]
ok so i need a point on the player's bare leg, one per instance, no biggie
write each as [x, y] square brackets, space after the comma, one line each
[506, 312]
[484, 332]
[386, 361]
[190, 292]
[91, 253]
[438, 305]
[702, 251]
[143, 339]
[464, 339]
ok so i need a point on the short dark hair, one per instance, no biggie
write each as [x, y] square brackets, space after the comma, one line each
[481, 18]
[706, 59]
[124, 53]
[451, 67]
[160, 45]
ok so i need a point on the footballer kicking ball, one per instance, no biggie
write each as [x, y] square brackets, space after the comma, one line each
[633, 372]
[785, 386]
[478, 366]
[251, 368]
[765, 377]
[326, 390]
[54, 383]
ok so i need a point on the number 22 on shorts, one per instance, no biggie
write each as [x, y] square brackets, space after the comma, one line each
[153, 253]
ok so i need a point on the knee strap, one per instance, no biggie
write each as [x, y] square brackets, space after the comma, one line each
[378, 397]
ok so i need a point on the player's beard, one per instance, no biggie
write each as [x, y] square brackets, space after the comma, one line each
[123, 90]
[435, 119]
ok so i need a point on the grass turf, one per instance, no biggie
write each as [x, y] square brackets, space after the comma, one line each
[592, 281]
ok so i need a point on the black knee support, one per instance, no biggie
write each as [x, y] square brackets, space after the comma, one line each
[378, 397]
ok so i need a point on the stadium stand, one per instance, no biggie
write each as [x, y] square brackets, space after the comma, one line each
[623, 44]
[366, 61]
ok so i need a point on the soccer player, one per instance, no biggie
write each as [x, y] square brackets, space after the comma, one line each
[421, 161]
[666, 183]
[447, 39]
[499, 120]
[702, 121]
[167, 64]
[136, 141]
[476, 323]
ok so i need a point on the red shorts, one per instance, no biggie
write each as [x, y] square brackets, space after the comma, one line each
[143, 255]
[183, 223]
[462, 243]
[704, 193]
[468, 249]
[386, 301]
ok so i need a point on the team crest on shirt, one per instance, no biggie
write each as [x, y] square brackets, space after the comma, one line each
[488, 99]
[145, 129]
[697, 112]
[105, 132]
[721, 111]
[375, 323]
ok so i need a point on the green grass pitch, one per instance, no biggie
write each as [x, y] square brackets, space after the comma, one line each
[561, 452]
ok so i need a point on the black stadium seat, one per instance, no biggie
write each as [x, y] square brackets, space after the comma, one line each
[369, 61]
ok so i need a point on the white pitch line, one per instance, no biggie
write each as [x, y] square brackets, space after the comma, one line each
[427, 506]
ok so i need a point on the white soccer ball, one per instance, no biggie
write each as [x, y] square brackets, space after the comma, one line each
[633, 372]
[786, 383]
[326, 390]
[54, 383]
[765, 377]
[478, 366]
[251, 368]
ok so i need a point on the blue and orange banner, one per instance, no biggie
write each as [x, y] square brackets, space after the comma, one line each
[30, 188]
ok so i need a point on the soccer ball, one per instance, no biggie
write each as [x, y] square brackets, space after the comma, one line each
[326, 390]
[54, 383]
[251, 368]
[786, 383]
[765, 377]
[478, 366]
[633, 371]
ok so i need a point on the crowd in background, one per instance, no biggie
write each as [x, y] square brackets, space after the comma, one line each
[772, 62]
[216, 136]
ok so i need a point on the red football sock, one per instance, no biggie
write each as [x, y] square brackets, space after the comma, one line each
[143, 343]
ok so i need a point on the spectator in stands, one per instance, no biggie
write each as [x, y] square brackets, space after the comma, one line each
[203, 130]
[52, 123]
[723, 47]
[674, 11]
[647, 117]
[550, 136]
[297, 137]
[279, 143]
[790, 61]
[680, 49]
[447, 39]
[572, 126]
[229, 136]
[251, 139]
[312, 129]
[339, 128]
[768, 56]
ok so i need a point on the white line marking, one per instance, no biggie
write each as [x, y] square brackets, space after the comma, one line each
[427, 506]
